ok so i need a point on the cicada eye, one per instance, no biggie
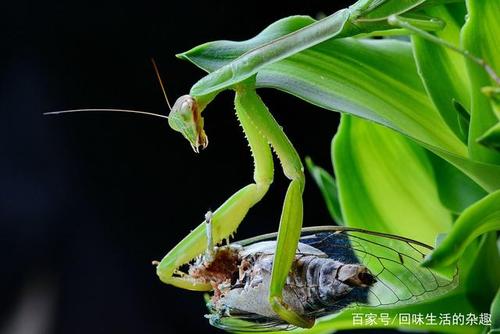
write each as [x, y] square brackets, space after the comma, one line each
[366, 278]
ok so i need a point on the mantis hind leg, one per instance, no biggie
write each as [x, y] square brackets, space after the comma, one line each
[227, 217]
[291, 217]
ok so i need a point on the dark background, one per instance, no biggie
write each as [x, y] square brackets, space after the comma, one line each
[88, 200]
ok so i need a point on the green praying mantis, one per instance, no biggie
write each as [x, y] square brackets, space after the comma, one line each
[263, 133]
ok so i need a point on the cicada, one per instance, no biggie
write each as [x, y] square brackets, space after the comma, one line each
[334, 268]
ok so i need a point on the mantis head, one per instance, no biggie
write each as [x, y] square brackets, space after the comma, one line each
[185, 117]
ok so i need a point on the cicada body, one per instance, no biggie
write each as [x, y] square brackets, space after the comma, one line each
[334, 268]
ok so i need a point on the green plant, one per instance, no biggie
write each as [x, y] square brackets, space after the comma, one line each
[417, 150]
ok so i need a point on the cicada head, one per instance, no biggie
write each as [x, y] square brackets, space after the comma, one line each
[356, 275]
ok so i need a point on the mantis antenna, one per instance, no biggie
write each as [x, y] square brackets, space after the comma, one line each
[161, 82]
[123, 110]
[111, 110]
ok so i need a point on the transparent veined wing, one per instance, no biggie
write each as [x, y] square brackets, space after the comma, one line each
[393, 260]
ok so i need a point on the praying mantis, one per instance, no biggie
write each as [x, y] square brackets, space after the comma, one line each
[263, 133]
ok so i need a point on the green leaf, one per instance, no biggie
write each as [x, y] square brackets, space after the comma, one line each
[491, 138]
[484, 174]
[353, 76]
[456, 190]
[463, 119]
[348, 75]
[364, 153]
[495, 314]
[335, 25]
[482, 21]
[328, 188]
[451, 303]
[364, 16]
[213, 55]
[485, 268]
[443, 71]
[386, 182]
[493, 93]
[380, 10]
[481, 217]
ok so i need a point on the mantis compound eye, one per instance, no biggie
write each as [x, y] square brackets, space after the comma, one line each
[185, 117]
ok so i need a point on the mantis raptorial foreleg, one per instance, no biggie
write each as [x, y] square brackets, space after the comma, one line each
[227, 217]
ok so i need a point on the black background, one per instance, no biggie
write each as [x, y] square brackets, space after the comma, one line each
[88, 200]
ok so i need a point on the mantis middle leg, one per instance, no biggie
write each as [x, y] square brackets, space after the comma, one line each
[250, 107]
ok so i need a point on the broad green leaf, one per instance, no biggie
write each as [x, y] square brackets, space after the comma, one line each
[482, 21]
[363, 77]
[456, 190]
[452, 303]
[491, 138]
[335, 25]
[463, 117]
[364, 152]
[386, 182]
[493, 94]
[382, 9]
[484, 174]
[377, 10]
[364, 16]
[443, 71]
[495, 314]
[359, 77]
[481, 279]
[481, 217]
[455, 303]
[328, 187]
[352, 76]
[213, 55]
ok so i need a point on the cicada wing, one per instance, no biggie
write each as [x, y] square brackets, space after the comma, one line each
[240, 321]
[394, 261]
[336, 245]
